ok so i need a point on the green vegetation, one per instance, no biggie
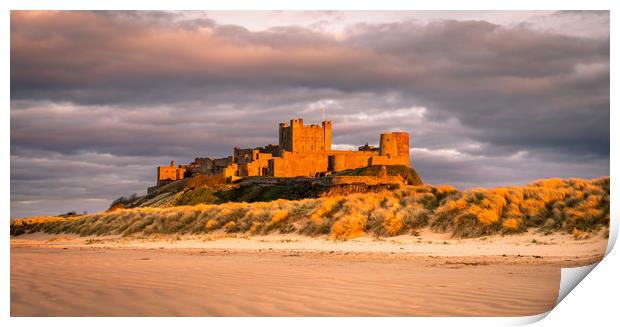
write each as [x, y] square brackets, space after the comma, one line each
[407, 173]
[197, 196]
[257, 193]
[297, 191]
[178, 188]
[572, 206]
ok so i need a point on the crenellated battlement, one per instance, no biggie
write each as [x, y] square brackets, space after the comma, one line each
[298, 137]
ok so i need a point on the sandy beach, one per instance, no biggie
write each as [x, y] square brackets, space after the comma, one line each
[290, 275]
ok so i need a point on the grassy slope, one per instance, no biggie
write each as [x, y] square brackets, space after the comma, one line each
[213, 190]
[196, 190]
[409, 174]
[575, 206]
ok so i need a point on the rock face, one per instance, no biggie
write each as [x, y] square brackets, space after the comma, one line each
[302, 150]
[325, 180]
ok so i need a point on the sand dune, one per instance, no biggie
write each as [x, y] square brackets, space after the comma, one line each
[110, 277]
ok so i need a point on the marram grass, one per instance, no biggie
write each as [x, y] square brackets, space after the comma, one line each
[574, 206]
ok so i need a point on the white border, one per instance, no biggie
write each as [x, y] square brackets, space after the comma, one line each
[572, 309]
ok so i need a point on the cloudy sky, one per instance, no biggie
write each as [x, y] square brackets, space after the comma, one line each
[99, 99]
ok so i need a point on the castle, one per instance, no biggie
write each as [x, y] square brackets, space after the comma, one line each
[303, 150]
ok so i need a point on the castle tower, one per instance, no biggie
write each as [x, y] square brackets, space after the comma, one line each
[300, 139]
[402, 144]
[387, 145]
[297, 126]
[327, 135]
[395, 146]
[284, 137]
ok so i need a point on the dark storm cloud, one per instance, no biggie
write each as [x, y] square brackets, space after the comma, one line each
[498, 80]
[503, 81]
[485, 103]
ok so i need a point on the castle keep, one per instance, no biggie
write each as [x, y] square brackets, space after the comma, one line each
[302, 150]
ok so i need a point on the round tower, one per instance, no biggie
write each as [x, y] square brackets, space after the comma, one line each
[402, 144]
[387, 145]
[395, 146]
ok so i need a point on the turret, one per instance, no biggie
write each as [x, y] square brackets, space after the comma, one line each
[395, 145]
[327, 135]
[387, 145]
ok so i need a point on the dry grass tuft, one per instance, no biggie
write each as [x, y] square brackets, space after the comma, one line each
[349, 227]
[574, 206]
[511, 224]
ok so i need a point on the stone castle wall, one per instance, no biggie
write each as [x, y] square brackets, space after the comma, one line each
[166, 174]
[303, 150]
[258, 166]
[343, 160]
[324, 180]
[292, 164]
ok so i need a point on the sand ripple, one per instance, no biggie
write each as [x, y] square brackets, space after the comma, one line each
[134, 282]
